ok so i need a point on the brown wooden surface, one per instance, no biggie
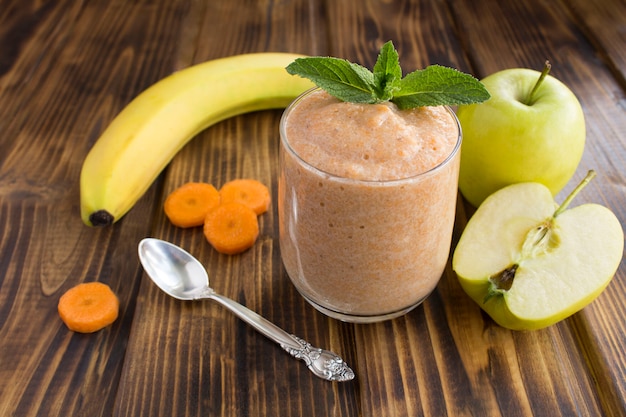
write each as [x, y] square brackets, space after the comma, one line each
[68, 67]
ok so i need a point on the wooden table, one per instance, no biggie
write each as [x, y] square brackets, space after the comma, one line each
[68, 67]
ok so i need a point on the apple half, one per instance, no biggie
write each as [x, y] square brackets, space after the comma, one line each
[530, 263]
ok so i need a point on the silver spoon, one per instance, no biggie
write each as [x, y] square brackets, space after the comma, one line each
[182, 276]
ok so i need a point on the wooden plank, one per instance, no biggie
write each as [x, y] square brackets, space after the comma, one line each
[67, 68]
[450, 357]
[597, 330]
[199, 358]
[602, 22]
[232, 369]
[71, 68]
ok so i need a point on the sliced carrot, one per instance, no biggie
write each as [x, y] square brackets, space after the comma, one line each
[88, 307]
[249, 192]
[231, 228]
[188, 205]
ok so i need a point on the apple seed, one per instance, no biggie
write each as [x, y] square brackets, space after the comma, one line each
[501, 282]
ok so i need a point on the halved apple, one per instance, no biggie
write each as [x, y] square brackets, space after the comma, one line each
[530, 263]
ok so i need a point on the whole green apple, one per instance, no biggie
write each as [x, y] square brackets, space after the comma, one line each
[532, 129]
[530, 263]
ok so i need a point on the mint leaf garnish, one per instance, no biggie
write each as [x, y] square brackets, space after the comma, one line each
[436, 86]
[387, 72]
[340, 78]
[433, 86]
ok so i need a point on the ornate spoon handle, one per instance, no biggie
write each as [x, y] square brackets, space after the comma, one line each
[323, 363]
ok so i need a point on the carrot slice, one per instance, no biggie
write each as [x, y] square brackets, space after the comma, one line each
[188, 205]
[231, 228]
[88, 307]
[249, 192]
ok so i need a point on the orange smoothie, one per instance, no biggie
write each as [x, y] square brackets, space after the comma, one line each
[367, 198]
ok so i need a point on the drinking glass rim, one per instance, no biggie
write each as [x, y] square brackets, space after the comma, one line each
[388, 182]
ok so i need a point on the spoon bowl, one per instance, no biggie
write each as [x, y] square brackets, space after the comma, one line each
[179, 274]
[173, 270]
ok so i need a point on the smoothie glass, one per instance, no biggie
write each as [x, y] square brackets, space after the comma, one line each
[363, 250]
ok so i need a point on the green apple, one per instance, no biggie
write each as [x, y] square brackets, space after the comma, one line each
[530, 263]
[532, 129]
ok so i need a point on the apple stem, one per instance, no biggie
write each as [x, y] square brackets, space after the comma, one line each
[590, 174]
[546, 70]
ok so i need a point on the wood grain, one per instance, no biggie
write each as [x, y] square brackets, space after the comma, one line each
[72, 66]
[595, 85]
[68, 67]
[231, 357]
[603, 25]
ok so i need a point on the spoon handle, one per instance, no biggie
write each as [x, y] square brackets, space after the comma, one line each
[261, 324]
[332, 367]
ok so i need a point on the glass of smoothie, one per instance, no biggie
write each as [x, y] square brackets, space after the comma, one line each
[367, 198]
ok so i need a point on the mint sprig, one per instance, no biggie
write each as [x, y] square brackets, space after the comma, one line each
[340, 78]
[435, 85]
[387, 73]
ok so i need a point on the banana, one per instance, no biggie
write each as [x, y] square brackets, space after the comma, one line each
[144, 137]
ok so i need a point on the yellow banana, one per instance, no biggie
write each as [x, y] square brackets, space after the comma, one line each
[147, 133]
